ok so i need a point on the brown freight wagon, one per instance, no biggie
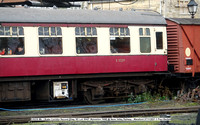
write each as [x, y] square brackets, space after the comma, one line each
[183, 36]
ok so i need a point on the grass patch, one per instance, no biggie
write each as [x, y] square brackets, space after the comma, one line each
[146, 97]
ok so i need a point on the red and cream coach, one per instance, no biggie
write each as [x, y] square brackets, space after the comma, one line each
[63, 54]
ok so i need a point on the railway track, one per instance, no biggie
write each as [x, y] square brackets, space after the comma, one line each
[102, 114]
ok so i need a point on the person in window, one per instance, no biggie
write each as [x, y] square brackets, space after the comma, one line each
[20, 50]
[9, 51]
[3, 51]
[91, 48]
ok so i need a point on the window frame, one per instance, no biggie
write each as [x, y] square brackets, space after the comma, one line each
[83, 33]
[116, 33]
[19, 34]
[49, 35]
[145, 34]
[157, 40]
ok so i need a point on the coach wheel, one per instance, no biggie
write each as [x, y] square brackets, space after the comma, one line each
[88, 98]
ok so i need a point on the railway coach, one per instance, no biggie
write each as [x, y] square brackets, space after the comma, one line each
[184, 56]
[183, 46]
[63, 54]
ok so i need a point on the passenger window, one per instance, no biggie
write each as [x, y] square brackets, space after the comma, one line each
[145, 40]
[86, 40]
[11, 41]
[50, 40]
[119, 40]
[159, 40]
[145, 45]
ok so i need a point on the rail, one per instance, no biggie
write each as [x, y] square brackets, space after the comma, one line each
[105, 114]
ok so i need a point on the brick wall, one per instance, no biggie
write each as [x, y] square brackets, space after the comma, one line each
[168, 8]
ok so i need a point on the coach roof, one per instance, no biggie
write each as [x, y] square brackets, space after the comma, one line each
[41, 15]
[186, 21]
